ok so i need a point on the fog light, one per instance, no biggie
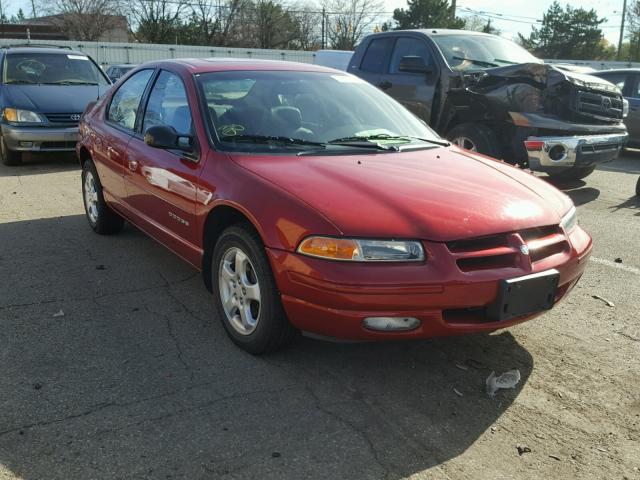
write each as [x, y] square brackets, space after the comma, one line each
[557, 153]
[391, 323]
[26, 144]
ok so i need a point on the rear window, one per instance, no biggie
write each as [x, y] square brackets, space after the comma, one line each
[52, 69]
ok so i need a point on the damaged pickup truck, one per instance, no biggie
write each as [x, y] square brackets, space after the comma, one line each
[488, 94]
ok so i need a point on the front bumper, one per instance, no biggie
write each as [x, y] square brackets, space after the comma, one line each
[333, 298]
[560, 153]
[40, 139]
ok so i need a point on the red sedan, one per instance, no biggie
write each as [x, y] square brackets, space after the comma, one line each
[311, 201]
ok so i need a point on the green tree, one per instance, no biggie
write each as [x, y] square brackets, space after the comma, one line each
[567, 33]
[427, 14]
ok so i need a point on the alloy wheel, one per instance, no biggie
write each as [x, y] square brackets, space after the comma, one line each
[239, 290]
[91, 197]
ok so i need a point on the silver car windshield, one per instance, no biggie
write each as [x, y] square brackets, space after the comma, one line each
[308, 108]
[479, 52]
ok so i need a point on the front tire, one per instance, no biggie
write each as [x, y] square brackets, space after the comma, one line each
[477, 138]
[573, 173]
[10, 158]
[102, 219]
[246, 296]
[638, 187]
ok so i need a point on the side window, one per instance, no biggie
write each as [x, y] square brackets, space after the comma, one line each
[617, 79]
[635, 91]
[374, 57]
[124, 103]
[406, 47]
[168, 104]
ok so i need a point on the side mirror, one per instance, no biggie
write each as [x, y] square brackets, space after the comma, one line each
[166, 137]
[413, 64]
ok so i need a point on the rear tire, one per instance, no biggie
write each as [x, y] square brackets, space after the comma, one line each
[101, 218]
[573, 173]
[245, 292]
[11, 158]
[477, 138]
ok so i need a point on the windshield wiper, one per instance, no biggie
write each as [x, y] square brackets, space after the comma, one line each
[385, 136]
[270, 139]
[69, 82]
[15, 82]
[505, 61]
[482, 63]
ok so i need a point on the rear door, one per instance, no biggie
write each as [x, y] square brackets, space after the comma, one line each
[632, 94]
[414, 90]
[161, 184]
[375, 59]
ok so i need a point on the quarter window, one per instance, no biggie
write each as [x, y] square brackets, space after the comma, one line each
[168, 105]
[375, 55]
[617, 79]
[125, 102]
[406, 47]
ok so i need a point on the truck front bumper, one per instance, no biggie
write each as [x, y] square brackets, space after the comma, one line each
[559, 153]
[40, 139]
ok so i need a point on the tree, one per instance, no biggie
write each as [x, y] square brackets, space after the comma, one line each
[567, 33]
[156, 21]
[19, 17]
[211, 22]
[479, 24]
[349, 21]
[630, 50]
[83, 19]
[273, 26]
[427, 14]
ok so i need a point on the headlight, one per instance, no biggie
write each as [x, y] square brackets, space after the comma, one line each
[625, 108]
[362, 250]
[570, 220]
[21, 116]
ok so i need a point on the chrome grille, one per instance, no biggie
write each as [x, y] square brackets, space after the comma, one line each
[67, 119]
[599, 105]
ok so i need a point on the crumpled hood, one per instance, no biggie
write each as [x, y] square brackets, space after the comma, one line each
[438, 194]
[51, 98]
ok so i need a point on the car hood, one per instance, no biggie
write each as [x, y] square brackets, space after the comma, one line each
[439, 194]
[51, 98]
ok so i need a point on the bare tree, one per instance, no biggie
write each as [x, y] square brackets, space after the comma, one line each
[83, 19]
[350, 20]
[309, 22]
[214, 20]
[156, 21]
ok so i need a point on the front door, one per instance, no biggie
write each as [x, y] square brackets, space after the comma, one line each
[414, 90]
[161, 184]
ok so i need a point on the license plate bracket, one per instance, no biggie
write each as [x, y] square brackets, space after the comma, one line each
[524, 295]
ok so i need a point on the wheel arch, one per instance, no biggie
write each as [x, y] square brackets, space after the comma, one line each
[83, 155]
[218, 219]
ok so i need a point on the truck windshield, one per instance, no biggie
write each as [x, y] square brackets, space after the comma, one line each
[52, 69]
[479, 52]
[292, 110]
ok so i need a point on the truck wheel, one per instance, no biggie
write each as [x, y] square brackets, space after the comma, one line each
[475, 137]
[9, 157]
[102, 219]
[638, 187]
[245, 293]
[573, 173]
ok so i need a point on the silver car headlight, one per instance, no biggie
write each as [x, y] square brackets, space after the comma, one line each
[570, 220]
[362, 250]
[21, 116]
[625, 108]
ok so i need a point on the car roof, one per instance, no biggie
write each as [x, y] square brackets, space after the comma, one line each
[205, 65]
[54, 50]
[617, 70]
[430, 32]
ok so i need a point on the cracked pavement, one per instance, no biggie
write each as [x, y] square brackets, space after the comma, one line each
[137, 379]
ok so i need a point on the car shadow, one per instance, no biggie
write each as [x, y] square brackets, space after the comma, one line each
[114, 366]
[632, 203]
[576, 189]
[40, 163]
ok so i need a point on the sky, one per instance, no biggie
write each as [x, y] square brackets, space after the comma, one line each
[509, 16]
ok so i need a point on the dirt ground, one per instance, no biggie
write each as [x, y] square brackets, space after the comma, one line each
[113, 366]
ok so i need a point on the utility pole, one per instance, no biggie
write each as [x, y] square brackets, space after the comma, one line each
[624, 11]
[324, 14]
[453, 8]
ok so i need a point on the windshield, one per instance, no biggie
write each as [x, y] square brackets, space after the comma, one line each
[52, 68]
[267, 110]
[479, 52]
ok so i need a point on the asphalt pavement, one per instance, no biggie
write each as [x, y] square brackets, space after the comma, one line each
[114, 366]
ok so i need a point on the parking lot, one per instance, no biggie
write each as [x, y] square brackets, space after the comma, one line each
[114, 366]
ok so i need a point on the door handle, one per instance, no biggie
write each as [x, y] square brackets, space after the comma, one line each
[113, 154]
[133, 165]
[385, 85]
